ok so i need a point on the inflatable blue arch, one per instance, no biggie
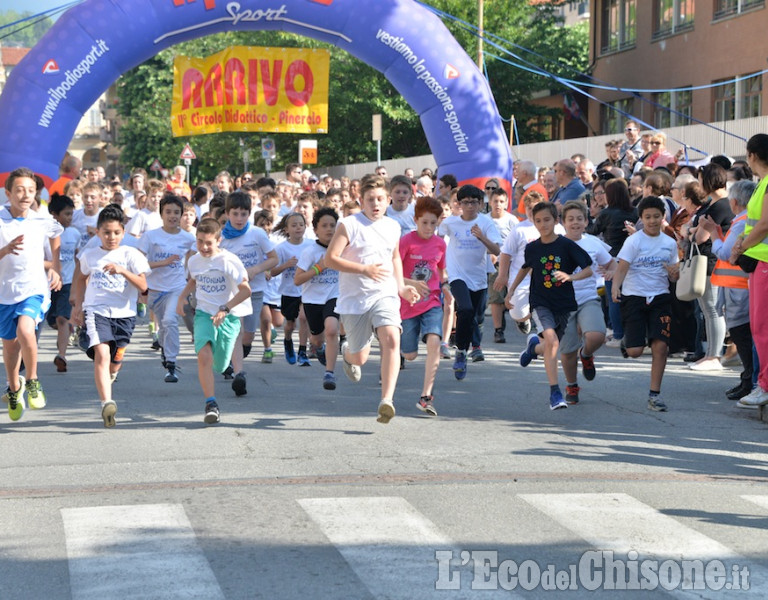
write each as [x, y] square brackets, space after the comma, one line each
[93, 43]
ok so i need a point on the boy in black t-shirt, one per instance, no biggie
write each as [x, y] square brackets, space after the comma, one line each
[551, 260]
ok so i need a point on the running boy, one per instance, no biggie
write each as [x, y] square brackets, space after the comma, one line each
[551, 261]
[257, 253]
[471, 237]
[585, 332]
[505, 223]
[401, 209]
[220, 283]
[423, 256]
[109, 281]
[365, 251]
[166, 250]
[319, 291]
[62, 209]
[24, 295]
[648, 261]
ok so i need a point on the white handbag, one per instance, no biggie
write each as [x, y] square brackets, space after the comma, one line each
[693, 275]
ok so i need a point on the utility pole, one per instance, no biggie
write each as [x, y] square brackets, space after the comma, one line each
[480, 35]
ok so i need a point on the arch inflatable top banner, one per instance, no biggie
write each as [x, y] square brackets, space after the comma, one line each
[93, 43]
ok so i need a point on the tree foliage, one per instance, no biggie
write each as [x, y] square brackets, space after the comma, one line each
[25, 34]
[357, 91]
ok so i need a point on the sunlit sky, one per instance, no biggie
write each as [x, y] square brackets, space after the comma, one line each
[36, 6]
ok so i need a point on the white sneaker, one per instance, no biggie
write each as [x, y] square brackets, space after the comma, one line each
[613, 343]
[757, 397]
[353, 372]
[386, 411]
[706, 364]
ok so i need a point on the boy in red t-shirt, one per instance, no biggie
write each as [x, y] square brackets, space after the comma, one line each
[423, 256]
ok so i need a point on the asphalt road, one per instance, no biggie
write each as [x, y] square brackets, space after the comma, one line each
[300, 493]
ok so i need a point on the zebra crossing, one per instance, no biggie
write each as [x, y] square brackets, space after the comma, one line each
[398, 551]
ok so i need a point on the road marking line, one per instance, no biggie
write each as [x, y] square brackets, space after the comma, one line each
[761, 501]
[140, 551]
[621, 523]
[390, 546]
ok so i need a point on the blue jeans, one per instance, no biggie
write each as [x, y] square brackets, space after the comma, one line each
[614, 312]
[470, 313]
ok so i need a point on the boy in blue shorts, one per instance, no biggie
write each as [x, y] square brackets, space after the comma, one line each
[551, 261]
[220, 283]
[24, 293]
[107, 286]
[62, 208]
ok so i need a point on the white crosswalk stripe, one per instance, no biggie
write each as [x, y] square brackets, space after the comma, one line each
[389, 544]
[761, 501]
[141, 551]
[622, 524]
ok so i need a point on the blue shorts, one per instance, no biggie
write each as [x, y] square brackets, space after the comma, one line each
[418, 327]
[32, 307]
[60, 306]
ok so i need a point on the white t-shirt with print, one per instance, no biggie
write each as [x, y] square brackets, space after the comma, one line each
[251, 248]
[23, 274]
[320, 288]
[598, 250]
[523, 234]
[217, 278]
[157, 245]
[111, 295]
[370, 243]
[82, 222]
[647, 277]
[286, 251]
[70, 241]
[466, 257]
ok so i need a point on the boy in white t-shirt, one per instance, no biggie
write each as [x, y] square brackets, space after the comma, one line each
[166, 250]
[62, 209]
[505, 223]
[109, 281]
[401, 209]
[25, 293]
[365, 251]
[319, 292]
[220, 283]
[257, 253]
[585, 332]
[84, 220]
[148, 218]
[471, 237]
[648, 261]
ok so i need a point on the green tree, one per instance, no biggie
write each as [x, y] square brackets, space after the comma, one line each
[357, 91]
[25, 34]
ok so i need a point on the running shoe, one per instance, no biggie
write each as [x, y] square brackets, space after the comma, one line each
[212, 415]
[572, 394]
[171, 376]
[353, 372]
[498, 336]
[527, 355]
[35, 395]
[386, 411]
[268, 356]
[290, 353]
[329, 381]
[460, 365]
[16, 404]
[425, 405]
[22, 382]
[477, 354]
[273, 335]
[445, 351]
[657, 404]
[61, 364]
[303, 359]
[229, 372]
[524, 326]
[108, 412]
[238, 384]
[320, 354]
[556, 400]
[587, 366]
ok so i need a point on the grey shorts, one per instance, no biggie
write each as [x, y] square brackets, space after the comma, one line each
[251, 322]
[588, 317]
[360, 329]
[546, 319]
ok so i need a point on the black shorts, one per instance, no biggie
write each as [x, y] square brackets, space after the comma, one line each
[60, 306]
[289, 306]
[644, 322]
[116, 332]
[318, 313]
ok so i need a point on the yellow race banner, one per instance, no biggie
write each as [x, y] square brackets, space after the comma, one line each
[246, 88]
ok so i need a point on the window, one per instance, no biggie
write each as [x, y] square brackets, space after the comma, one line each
[672, 109]
[671, 17]
[738, 99]
[611, 120]
[726, 8]
[618, 25]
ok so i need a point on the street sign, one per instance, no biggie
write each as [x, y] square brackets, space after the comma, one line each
[187, 161]
[156, 166]
[308, 152]
[268, 148]
[187, 153]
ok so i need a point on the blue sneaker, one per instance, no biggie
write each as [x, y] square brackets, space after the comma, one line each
[290, 354]
[329, 381]
[460, 365]
[556, 400]
[303, 359]
[527, 355]
[320, 354]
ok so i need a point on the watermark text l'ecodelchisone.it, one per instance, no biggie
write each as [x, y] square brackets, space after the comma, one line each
[595, 569]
